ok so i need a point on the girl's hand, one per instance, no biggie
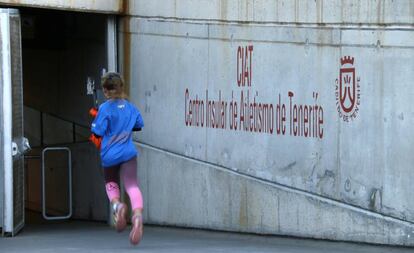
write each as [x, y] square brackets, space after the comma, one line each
[96, 140]
[93, 112]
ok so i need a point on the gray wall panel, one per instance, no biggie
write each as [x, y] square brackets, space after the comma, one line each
[361, 164]
[184, 192]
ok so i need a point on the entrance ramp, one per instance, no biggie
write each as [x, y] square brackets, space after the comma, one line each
[184, 192]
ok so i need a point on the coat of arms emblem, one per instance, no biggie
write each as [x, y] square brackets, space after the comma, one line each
[347, 90]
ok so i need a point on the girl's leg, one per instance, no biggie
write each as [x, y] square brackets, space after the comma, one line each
[119, 209]
[129, 177]
[111, 175]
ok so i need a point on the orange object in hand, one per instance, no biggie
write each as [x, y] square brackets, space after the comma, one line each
[93, 112]
[96, 140]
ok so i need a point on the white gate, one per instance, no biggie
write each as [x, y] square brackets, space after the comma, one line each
[13, 143]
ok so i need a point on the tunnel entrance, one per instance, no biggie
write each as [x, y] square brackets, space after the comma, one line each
[60, 51]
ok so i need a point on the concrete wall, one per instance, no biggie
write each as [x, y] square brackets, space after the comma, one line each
[102, 6]
[350, 168]
[89, 197]
[185, 192]
[280, 11]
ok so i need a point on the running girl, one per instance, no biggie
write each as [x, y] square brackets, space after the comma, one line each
[112, 130]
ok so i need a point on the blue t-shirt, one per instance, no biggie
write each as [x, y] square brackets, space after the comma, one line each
[115, 121]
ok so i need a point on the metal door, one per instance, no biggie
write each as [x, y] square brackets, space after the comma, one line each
[13, 143]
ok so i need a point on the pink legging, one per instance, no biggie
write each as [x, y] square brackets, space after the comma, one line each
[128, 171]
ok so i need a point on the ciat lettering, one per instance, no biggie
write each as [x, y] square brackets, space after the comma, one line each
[245, 109]
[255, 116]
[244, 66]
[280, 117]
[216, 112]
[233, 113]
[194, 110]
[305, 120]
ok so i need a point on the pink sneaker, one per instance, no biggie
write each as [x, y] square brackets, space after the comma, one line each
[119, 216]
[136, 230]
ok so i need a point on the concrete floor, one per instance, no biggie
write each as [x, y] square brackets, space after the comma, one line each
[79, 237]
